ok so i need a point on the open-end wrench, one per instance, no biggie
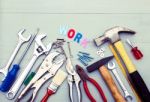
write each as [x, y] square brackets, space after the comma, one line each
[21, 41]
[38, 51]
[112, 68]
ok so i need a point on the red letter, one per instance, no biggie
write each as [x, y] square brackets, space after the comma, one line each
[71, 33]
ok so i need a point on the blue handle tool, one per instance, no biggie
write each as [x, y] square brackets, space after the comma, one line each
[10, 78]
[11, 75]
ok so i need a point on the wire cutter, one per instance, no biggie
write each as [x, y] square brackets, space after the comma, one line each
[84, 77]
[46, 71]
[73, 78]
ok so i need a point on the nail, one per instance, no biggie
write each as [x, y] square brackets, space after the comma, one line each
[84, 53]
[84, 63]
[89, 57]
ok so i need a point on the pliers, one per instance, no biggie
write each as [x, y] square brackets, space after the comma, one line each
[84, 77]
[73, 78]
[46, 71]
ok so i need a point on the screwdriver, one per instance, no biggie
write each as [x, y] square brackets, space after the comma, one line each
[11, 75]
[135, 51]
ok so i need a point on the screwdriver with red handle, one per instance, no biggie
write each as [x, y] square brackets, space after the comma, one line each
[136, 52]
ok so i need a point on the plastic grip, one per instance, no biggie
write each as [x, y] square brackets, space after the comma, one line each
[98, 87]
[137, 53]
[29, 78]
[47, 95]
[140, 86]
[10, 78]
[88, 92]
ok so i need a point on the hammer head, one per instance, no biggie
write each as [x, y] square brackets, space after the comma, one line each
[98, 64]
[112, 35]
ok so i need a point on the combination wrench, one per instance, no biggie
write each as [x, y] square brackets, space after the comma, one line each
[21, 41]
[112, 68]
[39, 50]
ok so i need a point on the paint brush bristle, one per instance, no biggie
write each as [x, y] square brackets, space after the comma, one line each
[57, 80]
[59, 77]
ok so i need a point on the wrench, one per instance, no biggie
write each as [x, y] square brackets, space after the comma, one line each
[112, 68]
[38, 51]
[21, 41]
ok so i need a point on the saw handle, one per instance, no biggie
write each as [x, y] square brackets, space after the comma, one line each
[137, 80]
[47, 95]
[10, 78]
[111, 84]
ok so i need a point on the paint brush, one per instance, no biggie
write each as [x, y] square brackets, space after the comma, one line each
[54, 85]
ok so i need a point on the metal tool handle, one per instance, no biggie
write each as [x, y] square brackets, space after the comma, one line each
[15, 52]
[6, 68]
[38, 85]
[138, 82]
[13, 91]
[114, 71]
[111, 84]
[124, 89]
[11, 76]
[78, 91]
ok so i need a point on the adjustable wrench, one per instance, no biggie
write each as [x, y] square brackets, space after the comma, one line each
[112, 68]
[38, 51]
[21, 41]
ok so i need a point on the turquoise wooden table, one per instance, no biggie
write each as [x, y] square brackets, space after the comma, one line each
[90, 17]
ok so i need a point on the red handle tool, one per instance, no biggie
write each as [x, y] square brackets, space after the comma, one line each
[84, 77]
[47, 95]
[135, 51]
[98, 88]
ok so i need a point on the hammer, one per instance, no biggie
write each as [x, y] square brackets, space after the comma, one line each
[112, 35]
[99, 65]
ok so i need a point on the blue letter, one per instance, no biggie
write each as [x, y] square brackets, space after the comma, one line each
[63, 30]
[78, 37]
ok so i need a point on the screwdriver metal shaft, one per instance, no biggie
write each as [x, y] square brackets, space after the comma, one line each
[11, 75]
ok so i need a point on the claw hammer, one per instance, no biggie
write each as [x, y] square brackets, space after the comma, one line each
[112, 35]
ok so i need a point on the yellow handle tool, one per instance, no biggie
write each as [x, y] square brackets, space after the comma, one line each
[123, 70]
[137, 80]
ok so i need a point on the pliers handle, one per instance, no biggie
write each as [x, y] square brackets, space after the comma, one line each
[84, 77]
[74, 80]
[97, 87]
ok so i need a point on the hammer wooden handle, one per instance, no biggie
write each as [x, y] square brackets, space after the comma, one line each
[111, 84]
[116, 56]
[137, 80]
